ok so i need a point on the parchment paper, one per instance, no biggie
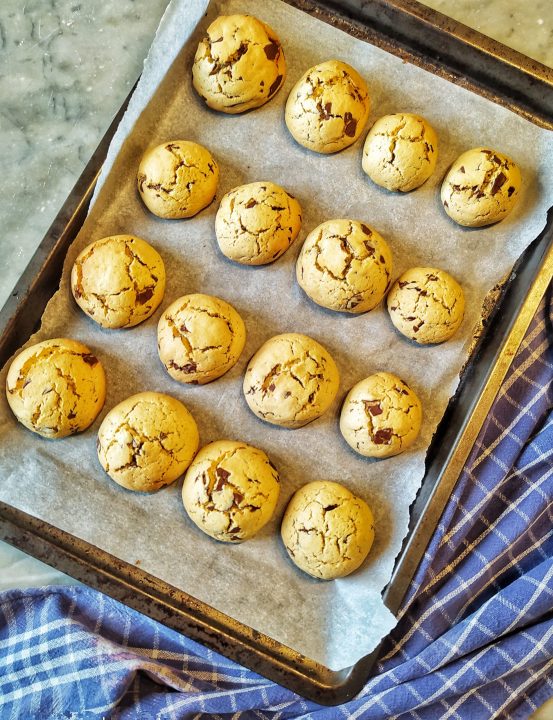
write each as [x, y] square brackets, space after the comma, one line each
[334, 623]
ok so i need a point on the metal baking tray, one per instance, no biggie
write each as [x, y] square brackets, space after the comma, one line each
[451, 50]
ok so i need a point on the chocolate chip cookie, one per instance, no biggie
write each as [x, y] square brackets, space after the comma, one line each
[291, 380]
[230, 490]
[345, 265]
[326, 530]
[257, 223]
[56, 388]
[381, 416]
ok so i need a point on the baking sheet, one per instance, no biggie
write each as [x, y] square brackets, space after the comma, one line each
[61, 481]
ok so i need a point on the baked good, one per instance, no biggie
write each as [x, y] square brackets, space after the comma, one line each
[231, 490]
[118, 281]
[147, 441]
[481, 187]
[400, 152]
[328, 107]
[239, 65]
[56, 387]
[426, 305]
[257, 223]
[345, 265]
[291, 380]
[327, 530]
[177, 179]
[381, 416]
[199, 338]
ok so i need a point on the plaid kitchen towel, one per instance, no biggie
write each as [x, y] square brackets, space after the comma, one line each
[474, 641]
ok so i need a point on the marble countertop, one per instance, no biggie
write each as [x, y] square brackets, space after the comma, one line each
[65, 68]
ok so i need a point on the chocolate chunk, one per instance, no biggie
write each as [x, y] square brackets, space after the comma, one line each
[324, 112]
[446, 204]
[77, 293]
[71, 415]
[234, 530]
[423, 293]
[382, 260]
[144, 295]
[251, 203]
[369, 248]
[171, 147]
[183, 328]
[403, 283]
[498, 183]
[188, 368]
[238, 497]
[366, 229]
[271, 50]
[373, 407]
[162, 435]
[90, 359]
[510, 191]
[350, 124]
[411, 318]
[382, 437]
[272, 387]
[328, 508]
[287, 394]
[275, 86]
[222, 473]
[462, 169]
[432, 277]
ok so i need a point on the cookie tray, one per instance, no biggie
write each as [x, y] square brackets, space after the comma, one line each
[449, 49]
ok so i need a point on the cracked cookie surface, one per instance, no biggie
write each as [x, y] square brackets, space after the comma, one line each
[56, 388]
[381, 416]
[480, 188]
[400, 152]
[239, 65]
[257, 223]
[147, 441]
[327, 530]
[230, 490]
[344, 265]
[328, 107]
[200, 338]
[177, 179]
[426, 305]
[291, 380]
[118, 281]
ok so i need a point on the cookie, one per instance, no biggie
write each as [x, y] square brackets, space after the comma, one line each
[290, 381]
[177, 179]
[56, 388]
[326, 530]
[199, 338]
[344, 265]
[328, 107]
[118, 281]
[426, 305]
[231, 490]
[400, 152]
[481, 187]
[257, 223]
[147, 441]
[381, 416]
[239, 65]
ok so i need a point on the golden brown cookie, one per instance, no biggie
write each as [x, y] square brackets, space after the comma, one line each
[118, 281]
[230, 490]
[400, 152]
[345, 265]
[326, 530]
[199, 338]
[381, 416]
[481, 187]
[426, 305]
[239, 65]
[177, 179]
[291, 380]
[328, 107]
[147, 441]
[257, 223]
[56, 388]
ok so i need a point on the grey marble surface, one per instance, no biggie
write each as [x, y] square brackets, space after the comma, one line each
[65, 68]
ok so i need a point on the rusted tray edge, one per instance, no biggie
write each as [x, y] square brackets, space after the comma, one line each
[168, 604]
[447, 48]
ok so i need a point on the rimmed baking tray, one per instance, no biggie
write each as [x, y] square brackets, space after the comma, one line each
[465, 57]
